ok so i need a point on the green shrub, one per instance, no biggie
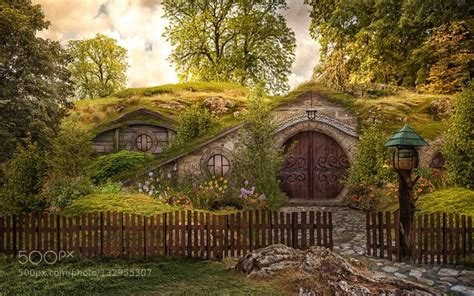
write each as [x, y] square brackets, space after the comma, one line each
[72, 150]
[61, 191]
[112, 165]
[24, 175]
[109, 188]
[369, 172]
[459, 146]
[259, 161]
[194, 122]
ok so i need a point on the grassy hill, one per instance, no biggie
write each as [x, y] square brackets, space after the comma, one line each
[392, 107]
[168, 99]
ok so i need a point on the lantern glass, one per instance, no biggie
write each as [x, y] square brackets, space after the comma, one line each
[311, 113]
[405, 158]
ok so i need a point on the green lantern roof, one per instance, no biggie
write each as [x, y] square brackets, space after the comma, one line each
[406, 136]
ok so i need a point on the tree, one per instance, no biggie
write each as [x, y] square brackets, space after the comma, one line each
[459, 146]
[98, 66]
[34, 80]
[244, 41]
[259, 161]
[24, 175]
[379, 38]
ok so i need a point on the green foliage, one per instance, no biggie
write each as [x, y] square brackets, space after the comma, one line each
[405, 43]
[34, 80]
[369, 172]
[448, 57]
[334, 72]
[459, 144]
[194, 122]
[60, 191]
[71, 151]
[112, 165]
[247, 42]
[370, 164]
[24, 175]
[136, 203]
[259, 161]
[109, 188]
[98, 66]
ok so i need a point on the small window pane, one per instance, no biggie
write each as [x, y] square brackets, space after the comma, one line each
[144, 142]
[218, 165]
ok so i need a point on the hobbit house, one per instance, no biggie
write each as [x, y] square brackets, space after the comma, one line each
[318, 152]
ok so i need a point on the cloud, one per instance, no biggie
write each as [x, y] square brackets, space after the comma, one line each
[138, 26]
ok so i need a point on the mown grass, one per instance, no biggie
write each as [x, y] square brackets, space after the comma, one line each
[449, 200]
[162, 276]
[135, 203]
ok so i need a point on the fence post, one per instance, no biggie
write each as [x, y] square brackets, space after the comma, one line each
[165, 233]
[144, 237]
[58, 234]
[330, 230]
[189, 231]
[14, 235]
[250, 230]
[444, 240]
[101, 222]
[397, 236]
[294, 229]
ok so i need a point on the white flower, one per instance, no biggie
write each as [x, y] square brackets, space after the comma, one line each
[169, 176]
[140, 185]
[151, 192]
[140, 190]
[150, 174]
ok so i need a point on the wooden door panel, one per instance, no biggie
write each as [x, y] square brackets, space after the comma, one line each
[295, 172]
[329, 166]
[314, 166]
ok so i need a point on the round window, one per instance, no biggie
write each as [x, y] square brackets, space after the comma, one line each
[218, 165]
[144, 142]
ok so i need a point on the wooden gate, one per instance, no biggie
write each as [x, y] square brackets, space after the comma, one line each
[314, 166]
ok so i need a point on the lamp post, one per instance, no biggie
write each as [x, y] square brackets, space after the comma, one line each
[405, 159]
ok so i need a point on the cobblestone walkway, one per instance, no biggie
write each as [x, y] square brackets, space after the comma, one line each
[350, 240]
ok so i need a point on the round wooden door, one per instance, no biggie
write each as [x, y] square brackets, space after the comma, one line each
[314, 167]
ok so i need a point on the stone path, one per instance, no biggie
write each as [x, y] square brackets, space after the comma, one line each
[350, 240]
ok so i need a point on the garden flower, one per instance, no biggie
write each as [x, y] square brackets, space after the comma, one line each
[150, 174]
[169, 176]
[246, 182]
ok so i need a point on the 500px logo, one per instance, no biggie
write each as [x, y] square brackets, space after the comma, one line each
[48, 257]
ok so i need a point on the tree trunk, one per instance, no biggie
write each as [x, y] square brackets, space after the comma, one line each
[407, 212]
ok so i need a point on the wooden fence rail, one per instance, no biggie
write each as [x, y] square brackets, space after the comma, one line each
[439, 238]
[181, 234]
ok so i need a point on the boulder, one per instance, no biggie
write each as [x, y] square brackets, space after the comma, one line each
[441, 108]
[218, 105]
[320, 271]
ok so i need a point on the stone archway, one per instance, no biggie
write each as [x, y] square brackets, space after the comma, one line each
[318, 154]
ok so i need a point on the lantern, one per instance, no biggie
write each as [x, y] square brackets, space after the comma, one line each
[311, 113]
[405, 157]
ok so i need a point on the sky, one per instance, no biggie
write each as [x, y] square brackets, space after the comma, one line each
[138, 26]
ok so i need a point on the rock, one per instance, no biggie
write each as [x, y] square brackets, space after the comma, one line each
[418, 273]
[218, 105]
[463, 289]
[400, 275]
[268, 260]
[448, 279]
[425, 281]
[321, 269]
[468, 272]
[441, 108]
[343, 288]
[448, 272]
[445, 284]
[390, 269]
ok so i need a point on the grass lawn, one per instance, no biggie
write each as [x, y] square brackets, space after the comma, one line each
[161, 276]
[449, 200]
[136, 203]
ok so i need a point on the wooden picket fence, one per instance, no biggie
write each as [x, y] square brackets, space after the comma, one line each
[439, 238]
[180, 234]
